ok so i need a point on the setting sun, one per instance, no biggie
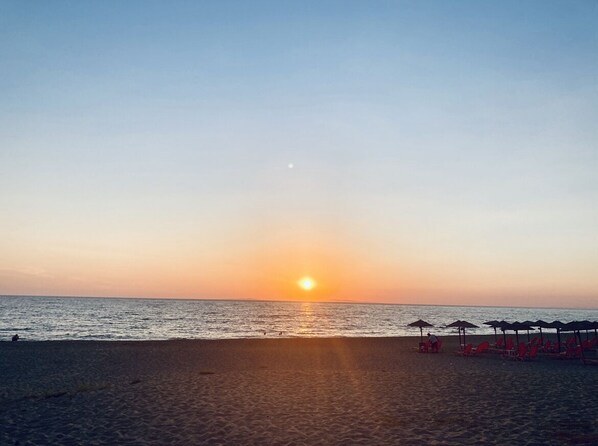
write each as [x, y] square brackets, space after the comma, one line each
[307, 283]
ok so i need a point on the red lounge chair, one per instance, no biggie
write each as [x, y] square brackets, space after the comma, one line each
[466, 351]
[498, 347]
[509, 344]
[572, 352]
[533, 353]
[483, 347]
[589, 344]
[520, 355]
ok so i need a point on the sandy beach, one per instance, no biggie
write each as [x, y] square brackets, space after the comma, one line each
[341, 391]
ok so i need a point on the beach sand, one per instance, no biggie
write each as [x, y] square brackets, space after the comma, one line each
[342, 391]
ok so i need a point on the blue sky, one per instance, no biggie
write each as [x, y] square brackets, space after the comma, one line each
[450, 148]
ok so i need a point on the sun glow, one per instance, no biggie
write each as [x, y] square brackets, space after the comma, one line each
[306, 283]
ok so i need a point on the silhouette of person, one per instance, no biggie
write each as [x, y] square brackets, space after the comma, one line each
[15, 338]
[433, 342]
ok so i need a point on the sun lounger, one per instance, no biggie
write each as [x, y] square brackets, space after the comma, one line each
[509, 344]
[572, 352]
[483, 347]
[424, 347]
[533, 353]
[571, 342]
[519, 355]
[498, 347]
[466, 351]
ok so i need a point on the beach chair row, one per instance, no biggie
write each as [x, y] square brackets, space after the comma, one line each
[531, 350]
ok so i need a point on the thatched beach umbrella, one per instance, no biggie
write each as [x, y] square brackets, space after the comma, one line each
[457, 325]
[541, 324]
[530, 324]
[585, 325]
[493, 324]
[465, 325]
[559, 326]
[504, 326]
[421, 324]
[576, 327]
[520, 326]
[462, 325]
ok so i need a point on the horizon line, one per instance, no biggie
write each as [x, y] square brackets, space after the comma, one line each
[248, 299]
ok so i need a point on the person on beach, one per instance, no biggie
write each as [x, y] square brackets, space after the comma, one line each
[433, 340]
[15, 338]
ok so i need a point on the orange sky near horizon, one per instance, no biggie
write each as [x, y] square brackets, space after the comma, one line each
[269, 270]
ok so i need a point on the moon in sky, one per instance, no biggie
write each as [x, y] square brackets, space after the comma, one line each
[291, 165]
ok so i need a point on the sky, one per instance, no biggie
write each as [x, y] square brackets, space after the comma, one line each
[402, 152]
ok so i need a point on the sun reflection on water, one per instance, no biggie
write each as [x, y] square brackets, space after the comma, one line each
[307, 318]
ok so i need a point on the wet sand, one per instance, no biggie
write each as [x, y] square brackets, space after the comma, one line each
[342, 391]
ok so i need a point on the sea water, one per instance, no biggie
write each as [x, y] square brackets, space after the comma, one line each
[60, 318]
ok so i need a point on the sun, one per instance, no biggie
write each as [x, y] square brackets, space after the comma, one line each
[307, 283]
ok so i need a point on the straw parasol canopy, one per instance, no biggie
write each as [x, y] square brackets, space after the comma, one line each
[577, 326]
[520, 326]
[421, 324]
[511, 326]
[462, 325]
[494, 324]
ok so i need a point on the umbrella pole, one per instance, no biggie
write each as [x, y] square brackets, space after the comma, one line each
[558, 336]
[460, 344]
[421, 334]
[517, 337]
[504, 338]
[541, 337]
[528, 336]
[463, 337]
[578, 332]
[495, 338]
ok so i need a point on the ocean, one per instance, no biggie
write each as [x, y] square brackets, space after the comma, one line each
[62, 318]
